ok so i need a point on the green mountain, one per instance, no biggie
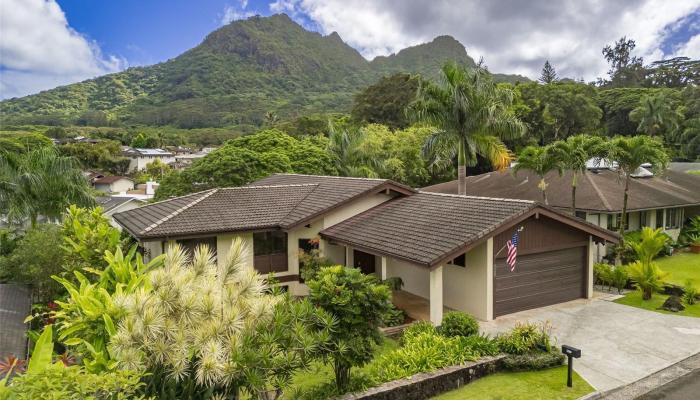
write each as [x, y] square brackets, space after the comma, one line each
[234, 77]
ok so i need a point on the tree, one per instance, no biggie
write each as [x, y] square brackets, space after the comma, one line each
[548, 75]
[674, 72]
[359, 303]
[87, 236]
[645, 272]
[630, 153]
[540, 160]
[471, 115]
[655, 116]
[210, 329]
[40, 182]
[349, 158]
[573, 154]
[385, 102]
[142, 141]
[625, 69]
[157, 169]
[102, 156]
[35, 257]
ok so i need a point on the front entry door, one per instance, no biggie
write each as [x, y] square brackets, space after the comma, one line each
[363, 261]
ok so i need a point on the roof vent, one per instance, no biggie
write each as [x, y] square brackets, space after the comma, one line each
[597, 163]
[641, 172]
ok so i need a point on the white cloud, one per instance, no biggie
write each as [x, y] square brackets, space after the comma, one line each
[691, 48]
[234, 13]
[39, 50]
[513, 36]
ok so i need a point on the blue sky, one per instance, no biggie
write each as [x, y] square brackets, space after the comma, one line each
[46, 43]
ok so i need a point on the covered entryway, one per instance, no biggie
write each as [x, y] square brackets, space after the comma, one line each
[365, 262]
[540, 279]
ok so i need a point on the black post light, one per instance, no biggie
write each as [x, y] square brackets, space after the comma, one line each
[571, 353]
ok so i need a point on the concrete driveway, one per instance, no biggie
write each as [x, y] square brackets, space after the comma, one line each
[619, 344]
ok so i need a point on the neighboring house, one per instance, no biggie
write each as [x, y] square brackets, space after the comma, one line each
[684, 166]
[113, 184]
[15, 306]
[185, 160]
[114, 204]
[447, 249]
[139, 158]
[656, 201]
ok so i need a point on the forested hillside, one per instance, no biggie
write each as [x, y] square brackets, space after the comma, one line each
[234, 77]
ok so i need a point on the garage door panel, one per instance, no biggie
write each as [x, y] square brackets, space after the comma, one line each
[539, 279]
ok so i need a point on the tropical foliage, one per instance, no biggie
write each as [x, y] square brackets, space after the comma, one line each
[645, 272]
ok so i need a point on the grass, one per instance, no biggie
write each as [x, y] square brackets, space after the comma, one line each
[681, 267]
[694, 172]
[545, 384]
[634, 299]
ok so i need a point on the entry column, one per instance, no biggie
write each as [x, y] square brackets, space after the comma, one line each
[436, 295]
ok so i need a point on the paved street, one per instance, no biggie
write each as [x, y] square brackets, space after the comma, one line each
[684, 388]
[620, 344]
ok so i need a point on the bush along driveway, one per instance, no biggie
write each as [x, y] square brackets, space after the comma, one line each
[619, 344]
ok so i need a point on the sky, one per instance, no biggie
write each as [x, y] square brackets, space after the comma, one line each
[47, 43]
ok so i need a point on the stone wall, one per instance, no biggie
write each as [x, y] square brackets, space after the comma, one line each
[426, 385]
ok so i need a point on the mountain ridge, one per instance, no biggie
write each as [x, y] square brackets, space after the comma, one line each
[236, 75]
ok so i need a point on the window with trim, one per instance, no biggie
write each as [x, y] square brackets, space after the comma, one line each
[190, 245]
[581, 214]
[270, 251]
[613, 221]
[673, 218]
[642, 219]
[660, 218]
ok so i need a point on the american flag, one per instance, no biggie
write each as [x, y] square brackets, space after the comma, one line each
[512, 251]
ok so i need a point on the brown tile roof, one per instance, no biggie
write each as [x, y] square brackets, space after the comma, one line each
[596, 191]
[428, 227]
[424, 227]
[111, 179]
[278, 201]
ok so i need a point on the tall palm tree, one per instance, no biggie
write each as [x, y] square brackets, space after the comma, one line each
[345, 147]
[655, 116]
[471, 115]
[573, 155]
[40, 182]
[630, 153]
[539, 160]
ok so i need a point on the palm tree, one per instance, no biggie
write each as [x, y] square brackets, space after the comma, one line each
[345, 147]
[645, 272]
[655, 116]
[40, 182]
[539, 160]
[573, 155]
[630, 153]
[471, 115]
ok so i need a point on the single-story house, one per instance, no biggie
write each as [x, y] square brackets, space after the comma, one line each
[449, 250]
[663, 201]
[113, 184]
[115, 204]
[139, 158]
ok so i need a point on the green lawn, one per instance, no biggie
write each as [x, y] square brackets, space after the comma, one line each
[634, 299]
[681, 267]
[545, 384]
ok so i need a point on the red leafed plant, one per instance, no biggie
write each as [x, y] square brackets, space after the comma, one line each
[11, 364]
[67, 359]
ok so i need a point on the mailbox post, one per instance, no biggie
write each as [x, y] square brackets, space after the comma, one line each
[571, 353]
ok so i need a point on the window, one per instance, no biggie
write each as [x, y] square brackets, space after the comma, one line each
[270, 251]
[642, 219]
[460, 261]
[190, 245]
[306, 246]
[660, 218]
[581, 214]
[673, 218]
[613, 221]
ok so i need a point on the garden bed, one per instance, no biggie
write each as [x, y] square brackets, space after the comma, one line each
[634, 299]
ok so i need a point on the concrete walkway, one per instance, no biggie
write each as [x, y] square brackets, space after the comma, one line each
[619, 344]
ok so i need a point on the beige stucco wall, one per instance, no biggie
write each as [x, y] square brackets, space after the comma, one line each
[353, 208]
[224, 242]
[415, 278]
[470, 288]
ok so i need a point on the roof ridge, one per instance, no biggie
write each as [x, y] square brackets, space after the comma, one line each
[269, 186]
[298, 203]
[599, 192]
[478, 197]
[334, 177]
[178, 211]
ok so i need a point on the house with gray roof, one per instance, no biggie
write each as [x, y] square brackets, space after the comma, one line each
[662, 201]
[449, 251]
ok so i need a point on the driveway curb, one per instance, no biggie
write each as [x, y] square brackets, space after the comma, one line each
[650, 382]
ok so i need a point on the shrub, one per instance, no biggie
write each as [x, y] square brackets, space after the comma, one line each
[602, 273]
[647, 276]
[690, 231]
[394, 283]
[394, 316]
[646, 244]
[533, 360]
[457, 323]
[524, 338]
[417, 328]
[311, 262]
[690, 292]
[619, 277]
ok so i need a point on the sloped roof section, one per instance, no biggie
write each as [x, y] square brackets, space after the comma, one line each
[424, 227]
[600, 190]
[279, 201]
